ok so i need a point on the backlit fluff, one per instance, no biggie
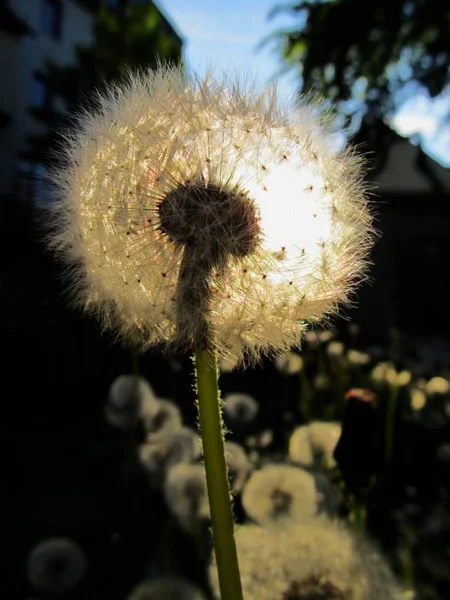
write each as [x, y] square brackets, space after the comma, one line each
[167, 448]
[314, 444]
[186, 495]
[279, 493]
[182, 199]
[127, 395]
[169, 587]
[315, 559]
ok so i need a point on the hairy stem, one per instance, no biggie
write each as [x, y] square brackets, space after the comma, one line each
[219, 495]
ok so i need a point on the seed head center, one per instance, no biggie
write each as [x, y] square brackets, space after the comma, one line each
[208, 217]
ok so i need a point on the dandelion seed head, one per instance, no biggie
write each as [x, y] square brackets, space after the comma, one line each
[238, 464]
[166, 588]
[160, 415]
[289, 363]
[241, 408]
[335, 349]
[126, 397]
[318, 557]
[56, 565]
[167, 448]
[187, 200]
[279, 493]
[186, 495]
[314, 444]
[437, 386]
[357, 358]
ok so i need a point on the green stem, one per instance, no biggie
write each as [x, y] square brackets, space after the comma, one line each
[219, 495]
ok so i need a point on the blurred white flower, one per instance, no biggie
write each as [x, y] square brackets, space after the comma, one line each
[169, 587]
[127, 394]
[167, 448]
[186, 495]
[239, 466]
[160, 415]
[289, 363]
[318, 559]
[240, 408]
[356, 358]
[279, 493]
[56, 565]
[314, 444]
[384, 373]
[418, 399]
[184, 203]
[438, 386]
[335, 349]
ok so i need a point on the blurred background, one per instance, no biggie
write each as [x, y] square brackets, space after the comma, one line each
[384, 66]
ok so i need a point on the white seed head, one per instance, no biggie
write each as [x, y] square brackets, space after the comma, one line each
[186, 495]
[169, 587]
[198, 210]
[238, 464]
[314, 559]
[240, 408]
[127, 395]
[289, 363]
[418, 399]
[335, 349]
[160, 415]
[357, 358]
[437, 386]
[279, 493]
[314, 444]
[167, 448]
[384, 373]
[56, 565]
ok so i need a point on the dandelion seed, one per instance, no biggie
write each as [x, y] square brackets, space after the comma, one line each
[240, 408]
[186, 218]
[169, 587]
[125, 399]
[56, 565]
[279, 493]
[186, 495]
[167, 448]
[317, 559]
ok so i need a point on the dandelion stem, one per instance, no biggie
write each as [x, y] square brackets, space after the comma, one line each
[216, 475]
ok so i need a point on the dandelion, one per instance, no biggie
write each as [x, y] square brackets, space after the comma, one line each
[318, 559]
[192, 208]
[289, 363]
[384, 373]
[169, 587]
[204, 216]
[167, 448]
[437, 386]
[160, 415]
[357, 358]
[314, 444]
[126, 397]
[239, 466]
[186, 495]
[240, 408]
[56, 565]
[279, 493]
[227, 364]
[335, 349]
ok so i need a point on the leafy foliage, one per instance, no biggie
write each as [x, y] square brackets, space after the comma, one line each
[364, 56]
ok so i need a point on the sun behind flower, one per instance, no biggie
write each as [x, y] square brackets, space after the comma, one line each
[203, 213]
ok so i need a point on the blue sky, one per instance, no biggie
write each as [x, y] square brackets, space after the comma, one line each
[227, 32]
